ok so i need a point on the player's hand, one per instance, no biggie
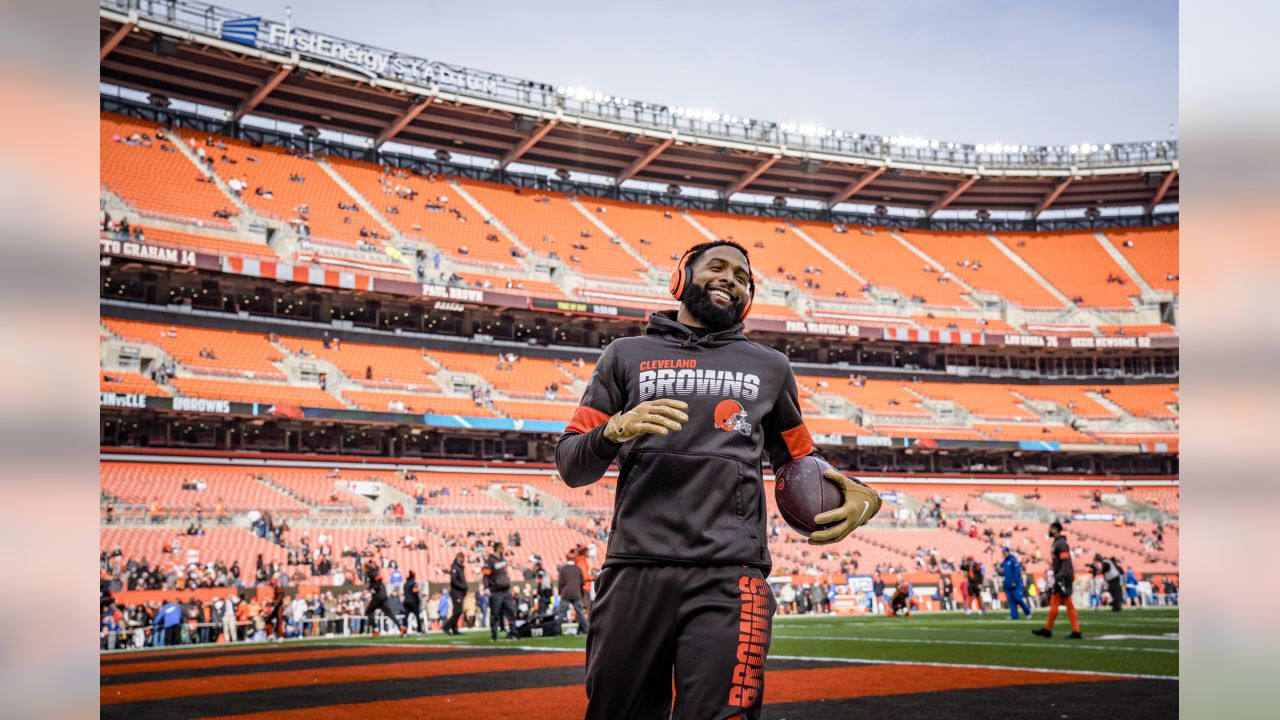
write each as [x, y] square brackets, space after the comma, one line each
[861, 503]
[655, 417]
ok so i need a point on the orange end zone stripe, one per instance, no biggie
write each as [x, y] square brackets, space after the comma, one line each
[110, 695]
[585, 419]
[194, 651]
[799, 442]
[254, 659]
[781, 686]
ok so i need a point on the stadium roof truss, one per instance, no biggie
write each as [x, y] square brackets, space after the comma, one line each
[184, 56]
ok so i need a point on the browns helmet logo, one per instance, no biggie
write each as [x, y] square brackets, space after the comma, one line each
[730, 416]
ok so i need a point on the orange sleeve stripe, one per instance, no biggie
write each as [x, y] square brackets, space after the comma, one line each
[799, 442]
[585, 419]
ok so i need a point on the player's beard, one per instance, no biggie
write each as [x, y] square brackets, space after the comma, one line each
[708, 313]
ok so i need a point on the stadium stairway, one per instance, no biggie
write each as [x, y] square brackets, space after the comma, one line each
[529, 256]
[1149, 293]
[245, 211]
[1019, 507]
[651, 273]
[396, 235]
[1030, 271]
[822, 250]
[335, 379]
[975, 297]
[1136, 510]
[698, 226]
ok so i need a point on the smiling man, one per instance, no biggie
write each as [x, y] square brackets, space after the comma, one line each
[687, 410]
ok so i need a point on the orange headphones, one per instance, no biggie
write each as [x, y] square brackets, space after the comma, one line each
[682, 277]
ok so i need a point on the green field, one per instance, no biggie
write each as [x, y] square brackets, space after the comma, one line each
[1138, 642]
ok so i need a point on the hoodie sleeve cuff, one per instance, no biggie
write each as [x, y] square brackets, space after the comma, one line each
[601, 446]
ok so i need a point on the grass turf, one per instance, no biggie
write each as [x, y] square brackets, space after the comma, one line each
[1138, 642]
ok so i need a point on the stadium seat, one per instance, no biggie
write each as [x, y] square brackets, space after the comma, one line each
[157, 182]
[773, 246]
[995, 272]
[120, 381]
[1154, 254]
[271, 169]
[377, 401]
[1076, 265]
[421, 214]
[885, 263]
[255, 392]
[994, 402]
[547, 222]
[234, 353]
[391, 367]
[211, 244]
[882, 397]
[657, 233]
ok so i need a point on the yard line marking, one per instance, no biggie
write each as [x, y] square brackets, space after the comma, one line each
[873, 661]
[1111, 648]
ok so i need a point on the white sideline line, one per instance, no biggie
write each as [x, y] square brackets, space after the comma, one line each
[974, 642]
[872, 661]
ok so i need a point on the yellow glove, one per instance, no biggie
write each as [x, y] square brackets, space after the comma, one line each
[657, 417]
[861, 503]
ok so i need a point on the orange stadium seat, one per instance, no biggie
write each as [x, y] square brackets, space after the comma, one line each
[996, 272]
[310, 485]
[250, 392]
[392, 367]
[417, 403]
[357, 539]
[772, 245]
[1151, 401]
[1139, 438]
[209, 244]
[529, 377]
[1165, 498]
[234, 352]
[1015, 432]
[1137, 330]
[1154, 254]
[453, 491]
[155, 181]
[533, 410]
[885, 263]
[121, 381]
[270, 168]
[882, 397]
[834, 426]
[546, 222]
[464, 237]
[1071, 398]
[523, 286]
[930, 433]
[989, 325]
[235, 488]
[984, 401]
[218, 544]
[658, 233]
[1077, 265]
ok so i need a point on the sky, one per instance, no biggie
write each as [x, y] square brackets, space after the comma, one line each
[982, 71]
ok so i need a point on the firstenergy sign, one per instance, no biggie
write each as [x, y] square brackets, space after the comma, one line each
[364, 59]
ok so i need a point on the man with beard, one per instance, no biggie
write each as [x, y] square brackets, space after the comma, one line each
[684, 579]
[457, 593]
[502, 609]
[412, 602]
[378, 599]
[1064, 577]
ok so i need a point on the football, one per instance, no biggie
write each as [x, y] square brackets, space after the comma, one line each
[802, 493]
